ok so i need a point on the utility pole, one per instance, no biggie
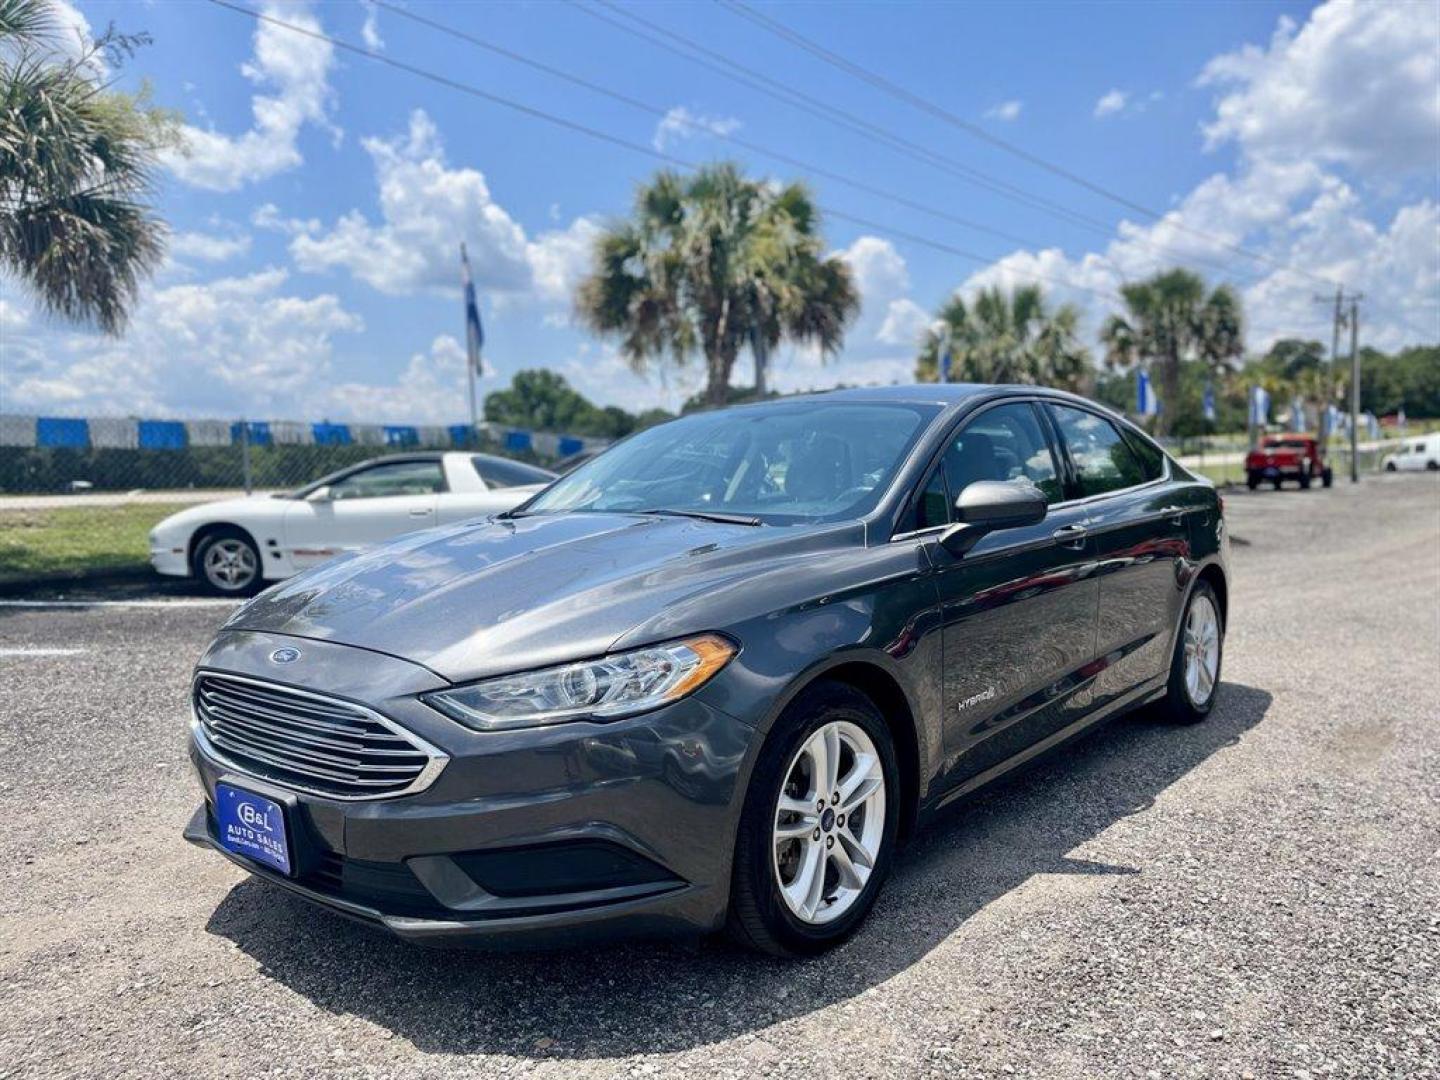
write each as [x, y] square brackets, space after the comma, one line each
[1354, 387]
[1341, 317]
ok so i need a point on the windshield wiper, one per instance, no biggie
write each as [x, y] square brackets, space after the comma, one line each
[704, 515]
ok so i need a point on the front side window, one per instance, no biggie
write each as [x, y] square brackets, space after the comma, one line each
[786, 463]
[1103, 460]
[1002, 443]
[393, 478]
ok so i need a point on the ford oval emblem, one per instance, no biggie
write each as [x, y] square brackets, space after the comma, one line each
[286, 655]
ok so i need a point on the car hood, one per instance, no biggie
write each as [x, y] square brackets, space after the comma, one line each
[502, 595]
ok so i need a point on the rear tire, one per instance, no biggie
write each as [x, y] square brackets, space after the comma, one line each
[1278, 481]
[1327, 477]
[1195, 667]
[1304, 481]
[1252, 480]
[761, 915]
[227, 562]
[1390, 466]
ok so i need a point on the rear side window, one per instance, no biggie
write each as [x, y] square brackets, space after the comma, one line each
[1103, 460]
[500, 473]
[1152, 460]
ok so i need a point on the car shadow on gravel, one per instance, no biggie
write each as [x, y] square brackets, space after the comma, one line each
[646, 997]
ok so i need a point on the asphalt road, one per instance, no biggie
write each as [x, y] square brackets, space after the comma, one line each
[1255, 896]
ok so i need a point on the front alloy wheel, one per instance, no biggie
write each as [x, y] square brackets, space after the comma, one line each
[829, 822]
[819, 824]
[228, 562]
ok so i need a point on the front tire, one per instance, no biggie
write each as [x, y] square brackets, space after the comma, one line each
[824, 802]
[1252, 480]
[227, 562]
[1195, 666]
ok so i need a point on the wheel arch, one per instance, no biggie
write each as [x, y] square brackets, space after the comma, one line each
[210, 528]
[1212, 575]
[888, 694]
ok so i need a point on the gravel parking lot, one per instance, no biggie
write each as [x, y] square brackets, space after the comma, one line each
[1257, 896]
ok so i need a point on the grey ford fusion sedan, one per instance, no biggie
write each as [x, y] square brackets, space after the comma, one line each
[713, 677]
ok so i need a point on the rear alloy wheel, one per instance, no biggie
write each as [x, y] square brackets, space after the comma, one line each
[818, 827]
[228, 562]
[1195, 669]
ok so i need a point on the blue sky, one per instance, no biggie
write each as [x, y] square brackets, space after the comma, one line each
[319, 209]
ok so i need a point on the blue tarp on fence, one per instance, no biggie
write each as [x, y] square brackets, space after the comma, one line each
[259, 431]
[570, 445]
[61, 431]
[331, 434]
[161, 435]
[517, 441]
[401, 435]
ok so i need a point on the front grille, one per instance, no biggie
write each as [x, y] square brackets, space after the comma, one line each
[309, 741]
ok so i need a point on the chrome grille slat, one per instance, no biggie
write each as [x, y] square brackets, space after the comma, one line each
[224, 713]
[288, 766]
[299, 739]
[279, 746]
[338, 710]
[240, 701]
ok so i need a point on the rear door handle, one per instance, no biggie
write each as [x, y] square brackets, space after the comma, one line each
[1070, 535]
[1176, 514]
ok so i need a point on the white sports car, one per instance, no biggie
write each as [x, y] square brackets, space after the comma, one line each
[232, 545]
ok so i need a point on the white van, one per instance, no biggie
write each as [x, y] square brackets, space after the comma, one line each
[1418, 453]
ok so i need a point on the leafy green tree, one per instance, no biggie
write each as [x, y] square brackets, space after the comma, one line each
[717, 263]
[1014, 338]
[542, 400]
[1169, 318]
[76, 170]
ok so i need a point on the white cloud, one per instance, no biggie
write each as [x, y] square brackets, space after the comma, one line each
[426, 209]
[229, 345]
[561, 257]
[905, 322]
[370, 29]
[208, 247]
[1113, 101]
[879, 270]
[1356, 85]
[74, 36]
[425, 393]
[12, 315]
[680, 123]
[1006, 111]
[1295, 110]
[297, 69]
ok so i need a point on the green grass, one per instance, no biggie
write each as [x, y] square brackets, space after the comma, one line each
[77, 542]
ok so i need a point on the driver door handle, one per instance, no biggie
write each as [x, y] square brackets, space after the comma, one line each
[420, 513]
[1070, 535]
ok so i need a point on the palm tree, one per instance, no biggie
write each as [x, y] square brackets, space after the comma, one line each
[1170, 317]
[76, 170]
[717, 262]
[1014, 338]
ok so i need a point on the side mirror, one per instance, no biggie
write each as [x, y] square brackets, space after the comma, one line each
[319, 495]
[988, 505]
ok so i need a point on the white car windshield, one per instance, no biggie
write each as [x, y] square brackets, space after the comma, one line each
[784, 463]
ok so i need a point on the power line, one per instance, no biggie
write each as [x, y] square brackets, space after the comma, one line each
[880, 82]
[614, 140]
[718, 132]
[737, 72]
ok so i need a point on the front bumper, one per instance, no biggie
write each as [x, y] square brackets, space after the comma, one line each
[544, 836]
[169, 559]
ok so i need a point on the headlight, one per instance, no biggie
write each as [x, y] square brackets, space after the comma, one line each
[604, 689]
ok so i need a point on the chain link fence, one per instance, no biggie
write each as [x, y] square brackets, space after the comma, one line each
[79, 496]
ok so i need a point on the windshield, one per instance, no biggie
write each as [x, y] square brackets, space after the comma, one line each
[784, 464]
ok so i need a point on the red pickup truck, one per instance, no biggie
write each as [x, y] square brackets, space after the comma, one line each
[1287, 457]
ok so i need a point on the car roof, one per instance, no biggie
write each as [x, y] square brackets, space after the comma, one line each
[943, 394]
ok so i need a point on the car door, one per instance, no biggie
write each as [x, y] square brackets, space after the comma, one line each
[362, 509]
[1019, 608]
[1140, 531]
